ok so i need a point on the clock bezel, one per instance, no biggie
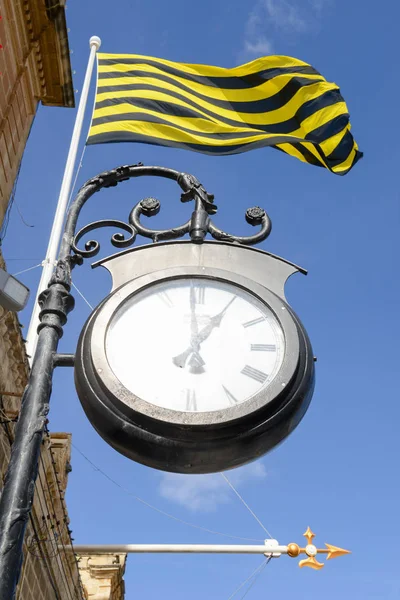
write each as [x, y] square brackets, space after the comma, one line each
[136, 408]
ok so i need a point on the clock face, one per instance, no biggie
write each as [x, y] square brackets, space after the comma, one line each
[194, 345]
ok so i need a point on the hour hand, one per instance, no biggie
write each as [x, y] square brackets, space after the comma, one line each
[194, 357]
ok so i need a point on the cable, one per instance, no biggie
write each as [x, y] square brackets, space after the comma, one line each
[256, 578]
[44, 560]
[82, 296]
[59, 540]
[29, 269]
[62, 502]
[66, 522]
[55, 549]
[5, 419]
[57, 525]
[49, 537]
[246, 505]
[21, 215]
[45, 516]
[255, 573]
[6, 220]
[162, 512]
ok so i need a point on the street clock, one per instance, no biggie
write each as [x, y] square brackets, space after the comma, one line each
[195, 362]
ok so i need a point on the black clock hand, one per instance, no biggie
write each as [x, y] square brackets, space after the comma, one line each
[192, 351]
[195, 358]
[194, 328]
[215, 321]
[196, 341]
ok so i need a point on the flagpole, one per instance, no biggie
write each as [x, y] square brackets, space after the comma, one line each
[55, 235]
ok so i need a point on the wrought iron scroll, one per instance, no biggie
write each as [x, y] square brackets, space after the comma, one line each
[197, 227]
[92, 247]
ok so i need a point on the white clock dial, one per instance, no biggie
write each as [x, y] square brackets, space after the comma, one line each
[195, 345]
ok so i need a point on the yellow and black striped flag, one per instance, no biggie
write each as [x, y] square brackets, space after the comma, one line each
[274, 101]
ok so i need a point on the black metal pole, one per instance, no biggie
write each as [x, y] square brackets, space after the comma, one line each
[19, 484]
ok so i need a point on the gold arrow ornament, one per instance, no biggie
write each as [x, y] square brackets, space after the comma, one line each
[311, 551]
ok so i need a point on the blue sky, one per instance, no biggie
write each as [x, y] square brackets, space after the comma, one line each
[337, 472]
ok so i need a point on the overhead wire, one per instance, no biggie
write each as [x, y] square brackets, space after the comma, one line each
[256, 577]
[6, 219]
[50, 529]
[159, 510]
[21, 215]
[62, 502]
[245, 504]
[41, 550]
[59, 538]
[82, 296]
[257, 571]
[28, 269]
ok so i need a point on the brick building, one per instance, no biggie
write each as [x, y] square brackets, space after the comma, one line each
[35, 67]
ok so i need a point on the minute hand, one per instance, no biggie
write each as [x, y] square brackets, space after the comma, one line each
[215, 321]
[196, 340]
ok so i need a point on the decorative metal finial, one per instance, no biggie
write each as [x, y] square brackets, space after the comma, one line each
[311, 551]
[150, 206]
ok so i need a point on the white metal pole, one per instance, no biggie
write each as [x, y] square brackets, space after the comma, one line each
[55, 235]
[271, 547]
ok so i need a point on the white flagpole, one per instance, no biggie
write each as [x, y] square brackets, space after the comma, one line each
[55, 235]
[270, 548]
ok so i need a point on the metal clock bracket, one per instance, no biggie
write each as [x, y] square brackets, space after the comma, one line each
[197, 227]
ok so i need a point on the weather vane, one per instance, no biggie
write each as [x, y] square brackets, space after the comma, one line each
[270, 549]
[311, 551]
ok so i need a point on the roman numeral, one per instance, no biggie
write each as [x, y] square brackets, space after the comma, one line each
[254, 374]
[263, 347]
[166, 299]
[191, 403]
[231, 397]
[254, 322]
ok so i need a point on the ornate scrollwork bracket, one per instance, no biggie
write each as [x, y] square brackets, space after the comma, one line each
[197, 227]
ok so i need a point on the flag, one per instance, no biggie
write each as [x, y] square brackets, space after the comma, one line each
[274, 101]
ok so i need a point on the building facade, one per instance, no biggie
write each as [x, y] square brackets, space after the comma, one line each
[35, 67]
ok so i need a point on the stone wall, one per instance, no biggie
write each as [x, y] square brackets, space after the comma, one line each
[102, 576]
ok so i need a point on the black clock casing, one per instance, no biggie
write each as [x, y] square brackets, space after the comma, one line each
[203, 442]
